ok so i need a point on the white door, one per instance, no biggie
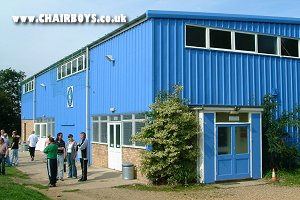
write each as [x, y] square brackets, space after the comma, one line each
[114, 146]
[41, 132]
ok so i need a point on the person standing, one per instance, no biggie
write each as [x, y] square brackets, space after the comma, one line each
[6, 140]
[15, 148]
[32, 139]
[83, 155]
[71, 156]
[61, 155]
[51, 151]
[3, 155]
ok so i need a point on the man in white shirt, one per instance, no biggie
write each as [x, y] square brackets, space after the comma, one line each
[32, 139]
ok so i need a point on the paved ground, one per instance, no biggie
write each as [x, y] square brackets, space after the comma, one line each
[101, 182]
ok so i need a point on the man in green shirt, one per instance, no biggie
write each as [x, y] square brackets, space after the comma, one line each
[51, 151]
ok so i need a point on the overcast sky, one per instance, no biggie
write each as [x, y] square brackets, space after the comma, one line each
[31, 48]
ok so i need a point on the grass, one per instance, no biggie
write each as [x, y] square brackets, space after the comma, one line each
[74, 190]
[286, 178]
[166, 188]
[12, 190]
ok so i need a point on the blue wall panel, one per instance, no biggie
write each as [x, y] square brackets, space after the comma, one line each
[51, 101]
[212, 77]
[27, 106]
[256, 146]
[209, 149]
[125, 84]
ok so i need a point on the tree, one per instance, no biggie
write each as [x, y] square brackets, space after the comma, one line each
[10, 99]
[276, 152]
[171, 130]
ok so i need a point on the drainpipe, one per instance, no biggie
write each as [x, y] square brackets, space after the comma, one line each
[87, 130]
[34, 101]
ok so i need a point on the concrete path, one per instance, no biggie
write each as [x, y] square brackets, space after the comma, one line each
[98, 178]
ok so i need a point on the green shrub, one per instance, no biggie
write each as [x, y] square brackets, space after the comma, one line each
[276, 152]
[171, 130]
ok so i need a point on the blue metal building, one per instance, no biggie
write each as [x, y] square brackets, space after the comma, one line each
[226, 63]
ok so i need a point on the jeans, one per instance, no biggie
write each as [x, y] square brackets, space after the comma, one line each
[2, 165]
[71, 166]
[60, 165]
[31, 151]
[15, 156]
[7, 160]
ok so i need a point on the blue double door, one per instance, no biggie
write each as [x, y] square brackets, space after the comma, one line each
[232, 152]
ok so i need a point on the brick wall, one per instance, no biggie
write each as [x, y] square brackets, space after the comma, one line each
[27, 126]
[133, 155]
[100, 155]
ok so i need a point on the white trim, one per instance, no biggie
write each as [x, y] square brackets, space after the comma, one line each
[86, 92]
[279, 46]
[200, 139]
[224, 109]
[250, 144]
[260, 116]
[215, 144]
[233, 40]
[134, 147]
[120, 32]
[93, 142]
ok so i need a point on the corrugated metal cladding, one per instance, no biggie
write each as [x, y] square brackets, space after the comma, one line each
[126, 83]
[224, 78]
[51, 101]
[27, 106]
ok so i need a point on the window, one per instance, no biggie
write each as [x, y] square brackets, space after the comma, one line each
[28, 87]
[220, 39]
[74, 66]
[267, 44]
[138, 128]
[68, 68]
[80, 63]
[195, 36]
[127, 133]
[95, 132]
[244, 42]
[71, 67]
[103, 133]
[63, 71]
[289, 47]
[224, 140]
[59, 72]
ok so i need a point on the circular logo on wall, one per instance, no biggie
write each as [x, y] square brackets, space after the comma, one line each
[70, 97]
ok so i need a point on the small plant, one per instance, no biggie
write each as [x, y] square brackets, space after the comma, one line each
[171, 130]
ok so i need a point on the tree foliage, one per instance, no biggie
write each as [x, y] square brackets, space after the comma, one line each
[10, 99]
[277, 153]
[171, 130]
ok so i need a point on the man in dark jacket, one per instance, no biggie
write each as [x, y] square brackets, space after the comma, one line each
[83, 155]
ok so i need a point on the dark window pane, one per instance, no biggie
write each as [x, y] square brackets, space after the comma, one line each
[74, 66]
[138, 128]
[220, 39]
[140, 116]
[244, 42]
[118, 136]
[241, 140]
[95, 132]
[289, 47]
[224, 140]
[126, 117]
[127, 133]
[103, 133]
[267, 44]
[111, 136]
[103, 117]
[80, 63]
[69, 68]
[195, 36]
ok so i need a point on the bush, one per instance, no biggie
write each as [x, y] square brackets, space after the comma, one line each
[277, 153]
[171, 130]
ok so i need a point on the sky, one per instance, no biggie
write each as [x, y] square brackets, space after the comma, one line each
[33, 47]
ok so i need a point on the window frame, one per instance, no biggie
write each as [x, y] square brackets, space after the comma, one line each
[64, 66]
[233, 49]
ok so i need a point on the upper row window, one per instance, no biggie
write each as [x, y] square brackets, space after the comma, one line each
[71, 67]
[250, 42]
[28, 87]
